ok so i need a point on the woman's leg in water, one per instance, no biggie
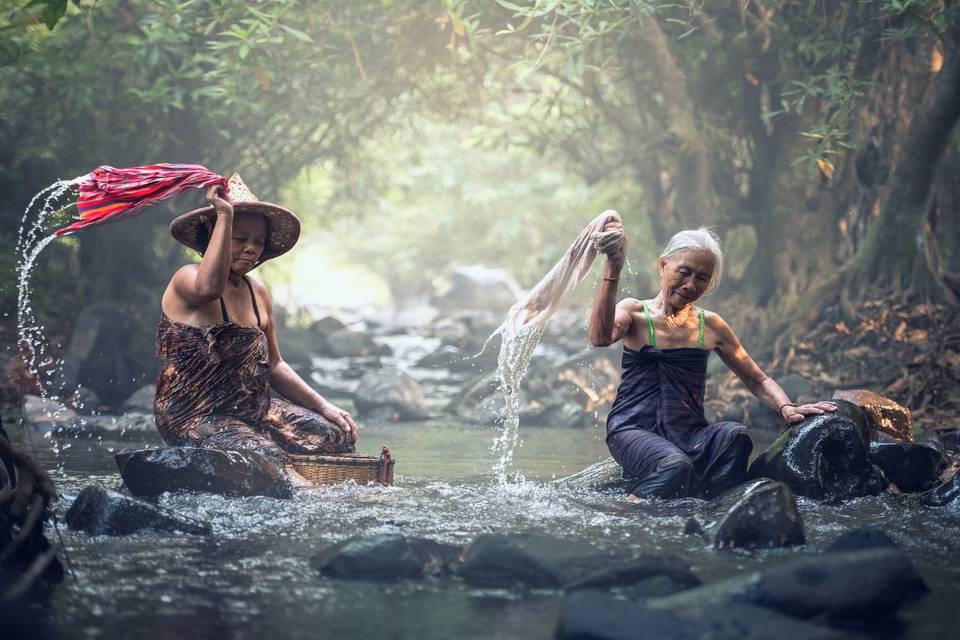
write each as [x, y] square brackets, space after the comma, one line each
[659, 469]
[723, 463]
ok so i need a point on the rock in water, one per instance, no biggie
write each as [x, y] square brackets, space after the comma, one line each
[48, 415]
[152, 472]
[100, 511]
[390, 395]
[644, 577]
[860, 539]
[527, 560]
[346, 343]
[478, 287]
[597, 616]
[847, 588]
[912, 467]
[141, 399]
[823, 457]
[944, 494]
[766, 517]
[385, 557]
[883, 414]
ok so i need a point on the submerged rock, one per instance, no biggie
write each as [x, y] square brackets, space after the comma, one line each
[386, 557]
[527, 560]
[141, 399]
[883, 414]
[391, 395]
[648, 576]
[597, 616]
[847, 588]
[860, 539]
[943, 494]
[912, 467]
[99, 511]
[823, 457]
[766, 517]
[152, 472]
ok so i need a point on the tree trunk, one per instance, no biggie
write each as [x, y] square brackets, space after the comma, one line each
[893, 255]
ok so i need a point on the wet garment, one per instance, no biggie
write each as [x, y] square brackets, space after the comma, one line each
[214, 391]
[657, 431]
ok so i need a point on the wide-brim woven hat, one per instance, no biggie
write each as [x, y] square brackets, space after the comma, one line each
[283, 226]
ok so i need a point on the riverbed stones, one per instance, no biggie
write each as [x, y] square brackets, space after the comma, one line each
[912, 467]
[596, 616]
[943, 494]
[824, 457]
[846, 588]
[766, 517]
[386, 557]
[390, 395]
[644, 577]
[347, 343]
[152, 472]
[528, 560]
[883, 414]
[100, 511]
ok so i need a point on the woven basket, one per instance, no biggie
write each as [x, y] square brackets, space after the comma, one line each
[333, 469]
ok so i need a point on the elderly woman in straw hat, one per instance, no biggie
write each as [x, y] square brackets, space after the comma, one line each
[656, 429]
[218, 342]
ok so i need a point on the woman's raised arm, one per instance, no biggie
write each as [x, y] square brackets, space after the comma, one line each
[206, 281]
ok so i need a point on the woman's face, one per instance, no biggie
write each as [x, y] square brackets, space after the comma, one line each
[247, 242]
[685, 276]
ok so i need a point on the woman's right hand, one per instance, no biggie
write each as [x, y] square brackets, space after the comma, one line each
[222, 204]
[612, 241]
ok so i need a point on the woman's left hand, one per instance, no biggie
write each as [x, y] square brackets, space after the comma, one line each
[793, 415]
[341, 418]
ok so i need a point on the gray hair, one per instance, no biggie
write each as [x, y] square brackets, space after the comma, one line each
[702, 239]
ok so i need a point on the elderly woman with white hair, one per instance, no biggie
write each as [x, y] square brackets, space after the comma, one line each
[656, 429]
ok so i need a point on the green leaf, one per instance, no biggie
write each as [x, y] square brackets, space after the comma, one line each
[296, 33]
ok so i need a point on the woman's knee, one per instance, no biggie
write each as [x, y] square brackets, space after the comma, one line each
[674, 476]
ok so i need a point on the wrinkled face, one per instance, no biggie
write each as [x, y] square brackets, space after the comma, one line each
[247, 242]
[685, 275]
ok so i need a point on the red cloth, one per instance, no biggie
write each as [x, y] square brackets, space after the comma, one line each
[110, 194]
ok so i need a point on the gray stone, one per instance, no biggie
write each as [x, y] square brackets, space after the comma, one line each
[100, 511]
[823, 457]
[346, 343]
[848, 588]
[912, 467]
[386, 557]
[860, 539]
[943, 494]
[478, 287]
[48, 415]
[644, 577]
[152, 472]
[84, 400]
[597, 616]
[528, 560]
[141, 399]
[766, 517]
[392, 395]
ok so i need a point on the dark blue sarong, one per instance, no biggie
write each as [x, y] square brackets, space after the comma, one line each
[657, 431]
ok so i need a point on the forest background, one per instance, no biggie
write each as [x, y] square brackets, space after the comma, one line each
[816, 137]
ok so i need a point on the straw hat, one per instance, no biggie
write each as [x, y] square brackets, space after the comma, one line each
[283, 226]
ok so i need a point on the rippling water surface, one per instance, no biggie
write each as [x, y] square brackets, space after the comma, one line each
[252, 578]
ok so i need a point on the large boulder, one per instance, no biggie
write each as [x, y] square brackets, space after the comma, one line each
[597, 616]
[912, 467]
[766, 517]
[478, 287]
[860, 539]
[847, 588]
[883, 415]
[824, 457]
[107, 353]
[528, 560]
[152, 472]
[390, 395]
[385, 557]
[100, 511]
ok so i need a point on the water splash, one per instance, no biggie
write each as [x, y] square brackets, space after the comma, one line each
[34, 235]
[516, 351]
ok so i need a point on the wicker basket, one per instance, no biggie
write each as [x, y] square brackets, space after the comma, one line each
[333, 469]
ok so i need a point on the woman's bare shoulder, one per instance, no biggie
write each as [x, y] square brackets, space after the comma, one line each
[631, 304]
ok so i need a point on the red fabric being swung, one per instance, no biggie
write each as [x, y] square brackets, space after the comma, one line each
[109, 194]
